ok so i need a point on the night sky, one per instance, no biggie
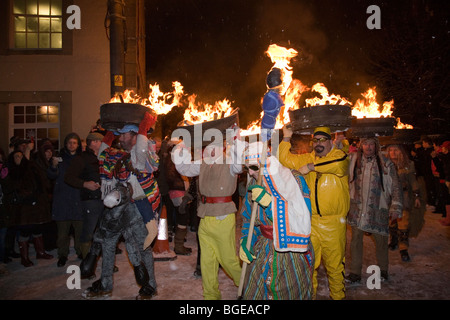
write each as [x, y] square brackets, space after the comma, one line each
[216, 49]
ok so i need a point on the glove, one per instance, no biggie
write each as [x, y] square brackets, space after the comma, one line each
[147, 122]
[187, 198]
[304, 170]
[109, 138]
[287, 132]
[244, 254]
[260, 195]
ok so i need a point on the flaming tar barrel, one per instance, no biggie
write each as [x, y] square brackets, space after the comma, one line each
[200, 133]
[336, 117]
[369, 127]
[407, 135]
[115, 115]
[402, 136]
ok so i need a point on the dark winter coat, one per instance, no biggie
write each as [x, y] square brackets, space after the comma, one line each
[84, 167]
[174, 179]
[160, 175]
[5, 214]
[66, 199]
[25, 193]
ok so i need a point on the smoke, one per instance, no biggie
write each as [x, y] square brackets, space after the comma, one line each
[216, 49]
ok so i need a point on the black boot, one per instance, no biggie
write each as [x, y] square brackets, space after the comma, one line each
[146, 292]
[141, 275]
[96, 291]
[404, 255]
[88, 266]
[198, 272]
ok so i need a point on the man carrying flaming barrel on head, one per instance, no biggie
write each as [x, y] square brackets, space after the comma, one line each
[217, 181]
[132, 198]
[326, 172]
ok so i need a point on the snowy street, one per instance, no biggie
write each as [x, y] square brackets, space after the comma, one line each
[426, 277]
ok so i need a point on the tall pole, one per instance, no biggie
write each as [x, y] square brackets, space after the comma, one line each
[116, 45]
[252, 219]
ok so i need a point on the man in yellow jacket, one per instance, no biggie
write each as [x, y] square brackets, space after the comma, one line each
[326, 173]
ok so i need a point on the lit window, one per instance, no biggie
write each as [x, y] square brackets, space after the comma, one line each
[40, 121]
[37, 24]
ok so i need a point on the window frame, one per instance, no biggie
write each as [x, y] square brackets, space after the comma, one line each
[7, 33]
[34, 125]
[39, 33]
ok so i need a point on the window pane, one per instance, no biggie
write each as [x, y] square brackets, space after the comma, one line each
[19, 133]
[53, 118]
[53, 133]
[32, 24]
[53, 109]
[44, 40]
[44, 7]
[56, 24]
[20, 24]
[18, 110]
[56, 40]
[18, 119]
[42, 118]
[44, 24]
[30, 119]
[56, 9]
[31, 6]
[42, 110]
[31, 110]
[20, 40]
[19, 7]
[42, 133]
[32, 40]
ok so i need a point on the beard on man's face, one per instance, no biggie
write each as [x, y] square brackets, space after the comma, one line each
[319, 148]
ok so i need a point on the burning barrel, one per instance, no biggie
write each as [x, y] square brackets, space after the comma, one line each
[407, 135]
[201, 133]
[114, 116]
[402, 136]
[337, 117]
[369, 127]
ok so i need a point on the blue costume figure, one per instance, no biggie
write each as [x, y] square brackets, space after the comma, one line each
[272, 103]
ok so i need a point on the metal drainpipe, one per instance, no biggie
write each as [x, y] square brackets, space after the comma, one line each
[116, 46]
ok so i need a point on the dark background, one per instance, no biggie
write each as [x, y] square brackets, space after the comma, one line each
[216, 49]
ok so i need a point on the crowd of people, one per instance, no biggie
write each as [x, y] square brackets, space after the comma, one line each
[295, 206]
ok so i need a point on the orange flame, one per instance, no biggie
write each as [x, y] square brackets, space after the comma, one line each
[158, 101]
[326, 99]
[291, 88]
[281, 57]
[401, 125]
[200, 113]
[369, 107]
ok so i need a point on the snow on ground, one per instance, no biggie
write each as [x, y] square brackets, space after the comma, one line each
[426, 277]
